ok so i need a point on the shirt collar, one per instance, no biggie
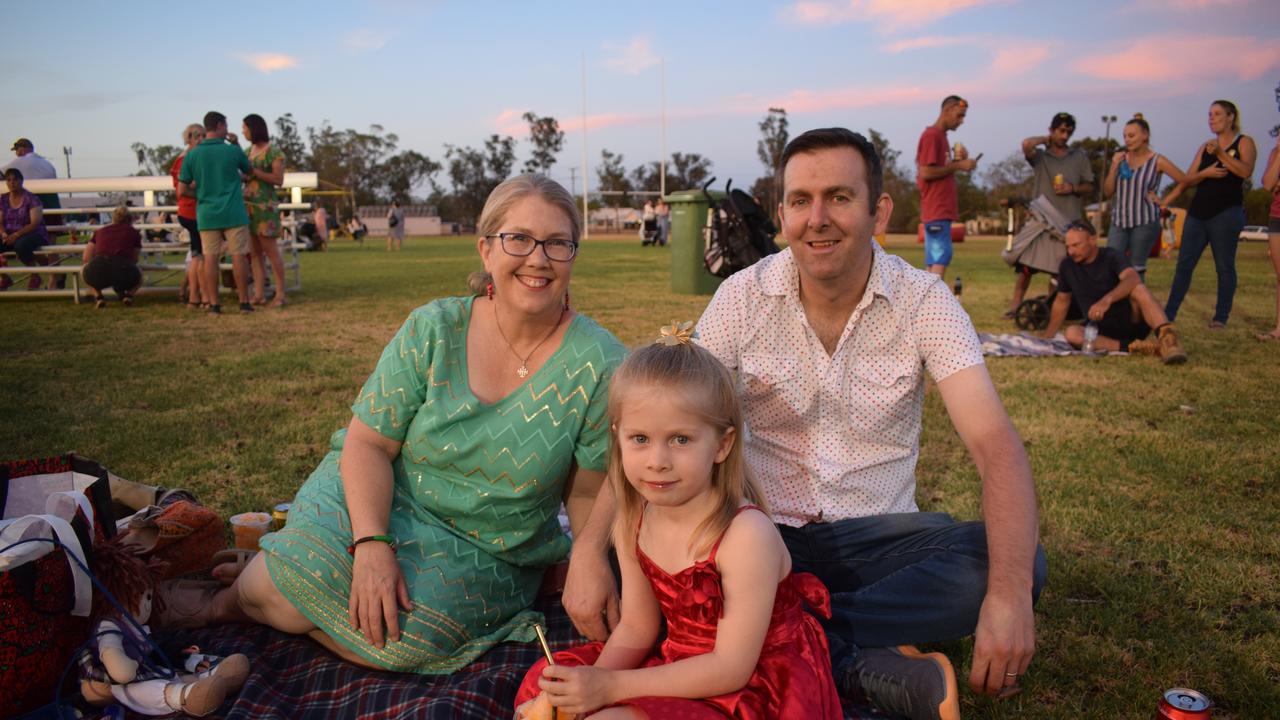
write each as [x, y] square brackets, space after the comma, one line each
[779, 276]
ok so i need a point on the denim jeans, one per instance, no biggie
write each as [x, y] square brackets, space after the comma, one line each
[1222, 234]
[25, 248]
[898, 579]
[1135, 241]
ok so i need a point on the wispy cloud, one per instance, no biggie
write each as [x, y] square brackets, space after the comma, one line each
[511, 122]
[365, 40]
[921, 43]
[1017, 59]
[1189, 5]
[887, 15]
[1148, 59]
[266, 63]
[632, 58]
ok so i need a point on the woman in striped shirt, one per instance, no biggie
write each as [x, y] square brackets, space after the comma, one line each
[1134, 180]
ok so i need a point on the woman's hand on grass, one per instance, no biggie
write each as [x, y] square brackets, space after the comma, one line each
[378, 592]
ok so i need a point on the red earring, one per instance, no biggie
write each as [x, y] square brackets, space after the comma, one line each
[488, 290]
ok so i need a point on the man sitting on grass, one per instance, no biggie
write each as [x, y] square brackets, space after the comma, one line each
[1100, 281]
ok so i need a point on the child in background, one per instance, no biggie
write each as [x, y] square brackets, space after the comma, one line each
[695, 546]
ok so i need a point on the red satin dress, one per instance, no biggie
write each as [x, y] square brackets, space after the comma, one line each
[792, 678]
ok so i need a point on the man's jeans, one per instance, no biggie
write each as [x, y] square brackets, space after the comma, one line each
[899, 579]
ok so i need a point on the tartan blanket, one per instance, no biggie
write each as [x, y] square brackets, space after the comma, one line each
[293, 677]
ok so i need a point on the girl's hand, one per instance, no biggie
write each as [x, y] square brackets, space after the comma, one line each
[1119, 157]
[377, 584]
[1214, 171]
[577, 689]
[1211, 147]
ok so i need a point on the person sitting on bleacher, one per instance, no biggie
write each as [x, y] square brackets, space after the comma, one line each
[24, 229]
[111, 259]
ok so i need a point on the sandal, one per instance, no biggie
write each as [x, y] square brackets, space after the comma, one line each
[100, 303]
[1215, 325]
[1269, 336]
[226, 565]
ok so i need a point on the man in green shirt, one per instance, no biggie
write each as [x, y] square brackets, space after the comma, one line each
[213, 173]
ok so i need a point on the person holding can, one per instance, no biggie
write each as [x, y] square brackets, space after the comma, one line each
[936, 170]
[1132, 183]
[1216, 215]
[1060, 173]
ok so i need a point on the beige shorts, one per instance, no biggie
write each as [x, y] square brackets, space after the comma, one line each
[235, 239]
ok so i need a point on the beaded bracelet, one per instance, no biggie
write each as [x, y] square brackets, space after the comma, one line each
[388, 539]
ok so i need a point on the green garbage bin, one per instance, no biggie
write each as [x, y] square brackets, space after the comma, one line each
[689, 274]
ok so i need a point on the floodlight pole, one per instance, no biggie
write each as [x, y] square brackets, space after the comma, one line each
[1106, 158]
[662, 157]
[586, 182]
[66, 152]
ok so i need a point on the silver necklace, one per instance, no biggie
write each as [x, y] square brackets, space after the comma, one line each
[523, 370]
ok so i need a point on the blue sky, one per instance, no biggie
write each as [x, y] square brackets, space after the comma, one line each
[99, 79]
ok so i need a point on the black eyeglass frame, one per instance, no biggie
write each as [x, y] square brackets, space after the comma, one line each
[502, 241]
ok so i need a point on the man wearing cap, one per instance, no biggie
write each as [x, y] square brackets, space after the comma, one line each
[34, 167]
[935, 176]
[1062, 175]
[212, 174]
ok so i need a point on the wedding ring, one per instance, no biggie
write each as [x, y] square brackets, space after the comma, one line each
[1012, 675]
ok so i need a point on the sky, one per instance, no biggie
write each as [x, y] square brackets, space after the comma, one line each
[436, 73]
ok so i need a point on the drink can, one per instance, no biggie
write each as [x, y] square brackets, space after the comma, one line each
[1184, 704]
[1058, 179]
[280, 515]
[959, 152]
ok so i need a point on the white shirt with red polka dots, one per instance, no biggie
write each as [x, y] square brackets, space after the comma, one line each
[836, 436]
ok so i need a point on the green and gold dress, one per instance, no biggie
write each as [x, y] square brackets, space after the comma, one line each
[260, 197]
[476, 497]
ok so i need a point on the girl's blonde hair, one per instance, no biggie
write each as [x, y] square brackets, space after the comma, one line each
[693, 376]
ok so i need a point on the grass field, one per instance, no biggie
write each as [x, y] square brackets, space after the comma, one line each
[1159, 487]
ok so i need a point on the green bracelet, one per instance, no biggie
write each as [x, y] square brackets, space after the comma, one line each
[388, 539]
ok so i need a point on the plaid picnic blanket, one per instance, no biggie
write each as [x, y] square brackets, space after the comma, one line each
[293, 677]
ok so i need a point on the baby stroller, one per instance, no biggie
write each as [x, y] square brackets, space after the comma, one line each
[1040, 246]
[649, 231]
[738, 232]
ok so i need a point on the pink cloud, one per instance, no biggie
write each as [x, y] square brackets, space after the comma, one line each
[1156, 58]
[269, 62]
[1190, 5]
[888, 15]
[512, 122]
[924, 42]
[1018, 59]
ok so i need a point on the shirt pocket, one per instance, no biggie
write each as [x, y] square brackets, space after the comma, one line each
[883, 396]
[773, 390]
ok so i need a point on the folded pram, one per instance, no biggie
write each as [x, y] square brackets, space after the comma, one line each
[1040, 244]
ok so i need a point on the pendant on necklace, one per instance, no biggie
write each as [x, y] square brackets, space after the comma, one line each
[522, 371]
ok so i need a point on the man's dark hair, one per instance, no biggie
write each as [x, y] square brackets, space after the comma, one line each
[213, 119]
[257, 128]
[950, 100]
[1062, 118]
[831, 138]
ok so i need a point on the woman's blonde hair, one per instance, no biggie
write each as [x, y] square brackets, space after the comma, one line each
[192, 131]
[121, 214]
[508, 194]
[691, 375]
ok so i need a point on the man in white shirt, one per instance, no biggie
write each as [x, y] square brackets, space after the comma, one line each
[830, 340]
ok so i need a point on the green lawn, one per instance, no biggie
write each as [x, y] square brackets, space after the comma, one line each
[1159, 487]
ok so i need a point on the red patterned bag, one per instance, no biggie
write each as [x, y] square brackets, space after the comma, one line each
[43, 593]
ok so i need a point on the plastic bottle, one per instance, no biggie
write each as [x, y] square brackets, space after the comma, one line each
[1090, 335]
[959, 286]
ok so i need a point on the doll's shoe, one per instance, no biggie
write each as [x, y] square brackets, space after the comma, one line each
[187, 603]
[232, 668]
[228, 564]
[203, 696]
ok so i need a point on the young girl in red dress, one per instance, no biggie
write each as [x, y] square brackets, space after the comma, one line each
[696, 547]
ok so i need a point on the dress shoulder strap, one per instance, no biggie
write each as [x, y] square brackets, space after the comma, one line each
[716, 548]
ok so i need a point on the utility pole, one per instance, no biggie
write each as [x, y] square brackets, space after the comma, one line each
[573, 180]
[66, 152]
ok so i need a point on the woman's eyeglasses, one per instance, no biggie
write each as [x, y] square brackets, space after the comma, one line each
[521, 245]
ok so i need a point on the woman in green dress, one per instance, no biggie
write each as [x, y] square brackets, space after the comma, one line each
[267, 163]
[422, 538]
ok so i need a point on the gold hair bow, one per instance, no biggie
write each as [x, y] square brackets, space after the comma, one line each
[677, 333]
